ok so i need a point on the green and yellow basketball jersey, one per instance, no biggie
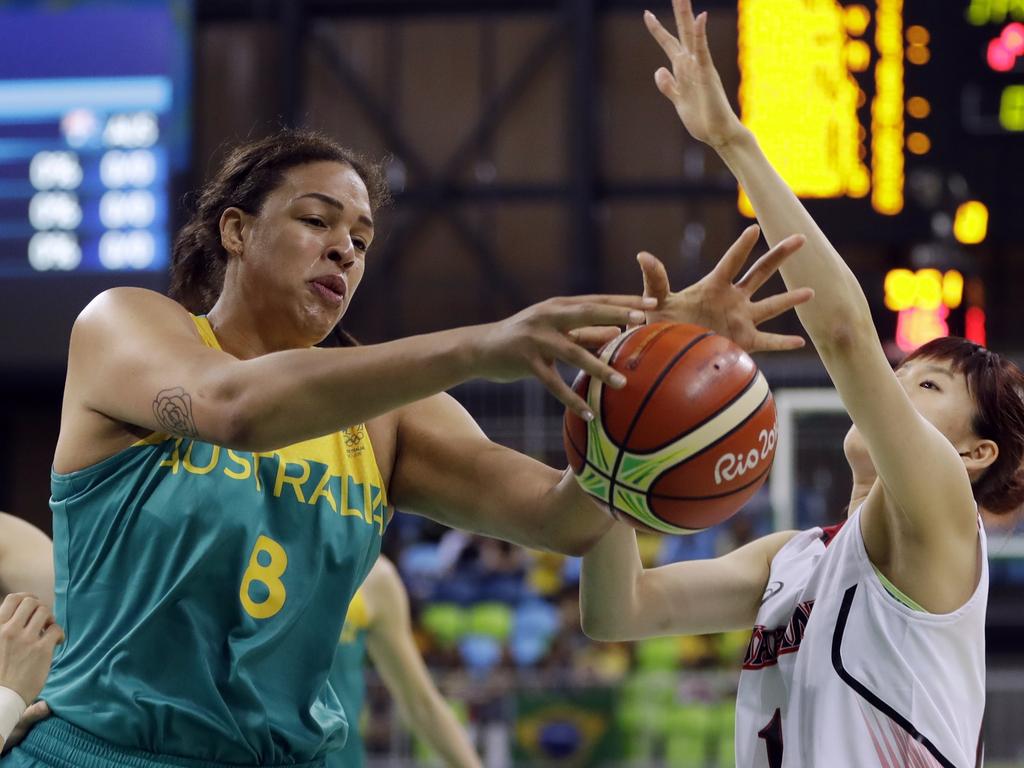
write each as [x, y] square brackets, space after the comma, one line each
[349, 681]
[199, 588]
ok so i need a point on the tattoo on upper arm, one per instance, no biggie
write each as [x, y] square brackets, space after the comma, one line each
[173, 411]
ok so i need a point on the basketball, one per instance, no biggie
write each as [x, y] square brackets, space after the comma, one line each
[688, 440]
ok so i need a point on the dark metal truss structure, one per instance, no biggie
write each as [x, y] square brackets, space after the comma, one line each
[573, 25]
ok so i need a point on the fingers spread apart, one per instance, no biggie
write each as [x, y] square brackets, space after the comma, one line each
[683, 10]
[773, 306]
[732, 262]
[668, 42]
[768, 264]
[666, 83]
[656, 284]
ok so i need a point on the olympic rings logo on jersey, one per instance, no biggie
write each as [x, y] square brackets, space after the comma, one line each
[354, 435]
[733, 465]
[354, 440]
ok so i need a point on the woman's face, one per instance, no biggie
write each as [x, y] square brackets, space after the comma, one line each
[939, 394]
[303, 255]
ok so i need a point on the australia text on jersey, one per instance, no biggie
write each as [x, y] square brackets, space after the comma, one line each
[311, 482]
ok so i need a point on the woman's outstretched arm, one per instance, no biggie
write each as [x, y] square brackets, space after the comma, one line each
[136, 359]
[919, 467]
[621, 600]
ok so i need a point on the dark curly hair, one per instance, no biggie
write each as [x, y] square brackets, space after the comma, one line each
[249, 173]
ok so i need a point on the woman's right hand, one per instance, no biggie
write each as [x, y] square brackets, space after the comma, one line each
[28, 635]
[567, 329]
[693, 86]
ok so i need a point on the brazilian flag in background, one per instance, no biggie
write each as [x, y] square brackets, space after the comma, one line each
[567, 728]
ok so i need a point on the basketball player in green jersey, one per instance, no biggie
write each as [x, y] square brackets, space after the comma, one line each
[220, 486]
[378, 623]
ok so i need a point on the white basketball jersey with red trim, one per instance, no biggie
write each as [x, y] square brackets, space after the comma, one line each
[840, 673]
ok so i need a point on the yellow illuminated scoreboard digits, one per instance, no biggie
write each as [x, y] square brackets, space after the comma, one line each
[887, 161]
[799, 95]
[922, 300]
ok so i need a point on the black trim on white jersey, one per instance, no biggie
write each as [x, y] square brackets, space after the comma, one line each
[862, 690]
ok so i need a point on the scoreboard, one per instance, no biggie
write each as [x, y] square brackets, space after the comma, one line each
[908, 106]
[902, 123]
[93, 130]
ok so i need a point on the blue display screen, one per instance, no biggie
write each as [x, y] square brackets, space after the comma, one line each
[94, 125]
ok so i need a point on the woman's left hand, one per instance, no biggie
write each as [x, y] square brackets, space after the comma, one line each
[725, 306]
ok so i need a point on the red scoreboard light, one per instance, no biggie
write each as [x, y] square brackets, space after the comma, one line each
[1004, 50]
[974, 325]
[999, 57]
[925, 302]
[1013, 38]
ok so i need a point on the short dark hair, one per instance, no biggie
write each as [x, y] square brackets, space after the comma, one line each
[997, 388]
[249, 173]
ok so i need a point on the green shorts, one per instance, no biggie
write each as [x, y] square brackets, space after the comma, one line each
[56, 743]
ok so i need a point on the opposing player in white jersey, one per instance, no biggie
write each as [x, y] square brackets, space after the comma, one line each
[868, 646]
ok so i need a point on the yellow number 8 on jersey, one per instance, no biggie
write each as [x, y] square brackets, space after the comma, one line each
[268, 575]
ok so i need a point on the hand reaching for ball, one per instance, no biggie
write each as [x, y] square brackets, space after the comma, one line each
[724, 304]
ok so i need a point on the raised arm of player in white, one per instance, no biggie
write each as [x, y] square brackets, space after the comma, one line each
[392, 648]
[928, 511]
